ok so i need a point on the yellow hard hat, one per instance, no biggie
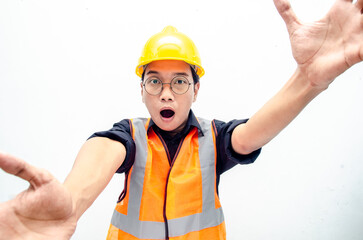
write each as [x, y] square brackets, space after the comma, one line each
[170, 44]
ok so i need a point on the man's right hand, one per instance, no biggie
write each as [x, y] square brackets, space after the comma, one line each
[49, 209]
[44, 211]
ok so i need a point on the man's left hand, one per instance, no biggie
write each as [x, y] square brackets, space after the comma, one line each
[326, 48]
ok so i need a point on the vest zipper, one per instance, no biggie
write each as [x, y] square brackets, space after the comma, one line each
[167, 179]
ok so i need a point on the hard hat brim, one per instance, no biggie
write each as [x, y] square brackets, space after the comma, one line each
[140, 68]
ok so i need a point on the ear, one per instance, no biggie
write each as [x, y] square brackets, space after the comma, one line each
[196, 89]
[142, 92]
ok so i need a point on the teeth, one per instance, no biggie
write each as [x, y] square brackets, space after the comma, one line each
[167, 113]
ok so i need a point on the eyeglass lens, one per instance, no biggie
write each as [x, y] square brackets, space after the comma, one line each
[179, 85]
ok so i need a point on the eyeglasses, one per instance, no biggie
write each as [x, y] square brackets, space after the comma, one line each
[179, 85]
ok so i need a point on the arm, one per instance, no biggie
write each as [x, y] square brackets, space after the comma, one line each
[49, 209]
[323, 50]
[275, 115]
[96, 163]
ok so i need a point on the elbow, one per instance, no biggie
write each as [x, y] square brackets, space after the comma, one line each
[242, 146]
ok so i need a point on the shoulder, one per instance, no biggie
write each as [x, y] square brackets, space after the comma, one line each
[224, 127]
[127, 125]
[120, 131]
[124, 124]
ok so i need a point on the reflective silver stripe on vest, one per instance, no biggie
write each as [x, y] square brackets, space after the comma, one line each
[210, 217]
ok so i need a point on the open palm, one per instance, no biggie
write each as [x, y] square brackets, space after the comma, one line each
[328, 47]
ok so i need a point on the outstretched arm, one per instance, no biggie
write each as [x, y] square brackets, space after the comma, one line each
[323, 50]
[49, 209]
[96, 163]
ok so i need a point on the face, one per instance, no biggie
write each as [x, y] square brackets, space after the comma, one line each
[168, 110]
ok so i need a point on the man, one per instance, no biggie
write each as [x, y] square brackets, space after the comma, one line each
[336, 44]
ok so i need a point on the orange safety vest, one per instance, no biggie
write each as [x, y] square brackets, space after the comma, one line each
[176, 201]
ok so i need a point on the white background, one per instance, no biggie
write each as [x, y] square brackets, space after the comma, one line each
[67, 70]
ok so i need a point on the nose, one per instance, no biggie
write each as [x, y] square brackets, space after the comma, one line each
[166, 93]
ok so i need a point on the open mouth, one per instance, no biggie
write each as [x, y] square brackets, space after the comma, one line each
[167, 113]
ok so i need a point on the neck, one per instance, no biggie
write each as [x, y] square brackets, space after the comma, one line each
[177, 130]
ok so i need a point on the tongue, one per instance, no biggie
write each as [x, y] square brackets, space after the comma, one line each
[167, 113]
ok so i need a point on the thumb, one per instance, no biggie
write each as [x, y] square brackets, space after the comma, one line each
[24, 170]
[287, 14]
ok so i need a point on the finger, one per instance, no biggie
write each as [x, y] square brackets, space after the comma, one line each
[22, 169]
[287, 14]
[359, 4]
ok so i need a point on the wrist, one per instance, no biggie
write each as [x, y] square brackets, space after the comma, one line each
[312, 78]
[305, 83]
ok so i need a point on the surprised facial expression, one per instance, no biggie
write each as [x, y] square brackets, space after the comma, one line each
[169, 110]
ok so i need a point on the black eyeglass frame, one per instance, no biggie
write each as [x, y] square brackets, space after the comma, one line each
[162, 85]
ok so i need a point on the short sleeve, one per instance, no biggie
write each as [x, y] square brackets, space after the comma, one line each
[226, 156]
[121, 132]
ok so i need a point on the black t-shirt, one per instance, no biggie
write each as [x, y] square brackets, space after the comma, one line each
[226, 156]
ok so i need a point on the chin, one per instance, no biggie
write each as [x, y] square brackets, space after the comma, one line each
[167, 127]
[171, 126]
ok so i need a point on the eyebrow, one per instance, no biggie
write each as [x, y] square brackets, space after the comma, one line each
[177, 73]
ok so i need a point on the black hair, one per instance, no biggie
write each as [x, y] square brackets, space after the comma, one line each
[194, 75]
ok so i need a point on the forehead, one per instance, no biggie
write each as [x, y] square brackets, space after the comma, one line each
[168, 67]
